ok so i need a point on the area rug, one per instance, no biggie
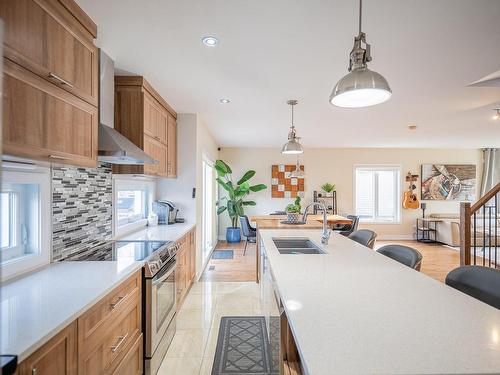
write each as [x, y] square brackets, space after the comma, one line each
[243, 347]
[223, 254]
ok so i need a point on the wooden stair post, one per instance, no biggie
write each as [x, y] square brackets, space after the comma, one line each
[465, 233]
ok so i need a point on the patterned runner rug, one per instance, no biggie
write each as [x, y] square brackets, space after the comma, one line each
[243, 347]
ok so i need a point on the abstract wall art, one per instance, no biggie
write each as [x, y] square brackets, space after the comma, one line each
[449, 182]
[283, 185]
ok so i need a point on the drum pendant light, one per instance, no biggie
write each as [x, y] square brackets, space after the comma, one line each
[292, 147]
[361, 87]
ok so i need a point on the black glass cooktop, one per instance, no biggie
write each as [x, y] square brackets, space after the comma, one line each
[119, 250]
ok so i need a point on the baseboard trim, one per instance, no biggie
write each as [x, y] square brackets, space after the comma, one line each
[396, 237]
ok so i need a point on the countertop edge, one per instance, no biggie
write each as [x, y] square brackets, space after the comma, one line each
[21, 356]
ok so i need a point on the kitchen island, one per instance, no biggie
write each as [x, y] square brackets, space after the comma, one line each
[354, 311]
[276, 222]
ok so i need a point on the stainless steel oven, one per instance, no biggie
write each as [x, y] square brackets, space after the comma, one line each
[159, 313]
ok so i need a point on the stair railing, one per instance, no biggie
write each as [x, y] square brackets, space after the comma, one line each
[480, 231]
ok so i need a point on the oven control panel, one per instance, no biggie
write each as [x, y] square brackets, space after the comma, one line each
[160, 258]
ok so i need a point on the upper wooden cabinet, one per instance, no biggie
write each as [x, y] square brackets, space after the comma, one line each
[50, 82]
[145, 118]
[45, 37]
[44, 122]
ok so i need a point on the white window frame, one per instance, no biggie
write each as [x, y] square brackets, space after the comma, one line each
[131, 183]
[41, 176]
[380, 167]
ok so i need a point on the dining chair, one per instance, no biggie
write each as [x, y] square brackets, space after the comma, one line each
[364, 237]
[248, 231]
[347, 229]
[403, 254]
[482, 283]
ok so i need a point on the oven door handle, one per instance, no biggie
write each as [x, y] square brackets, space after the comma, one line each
[160, 277]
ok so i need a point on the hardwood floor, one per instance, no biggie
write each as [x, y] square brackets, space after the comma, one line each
[437, 262]
[240, 268]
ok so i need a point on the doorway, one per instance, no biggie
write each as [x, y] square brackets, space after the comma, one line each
[209, 222]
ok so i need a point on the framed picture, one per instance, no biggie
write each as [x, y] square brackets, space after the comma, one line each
[449, 182]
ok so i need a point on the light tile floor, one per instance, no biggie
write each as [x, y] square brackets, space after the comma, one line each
[193, 347]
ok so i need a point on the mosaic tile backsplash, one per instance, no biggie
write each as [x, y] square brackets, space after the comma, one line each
[81, 208]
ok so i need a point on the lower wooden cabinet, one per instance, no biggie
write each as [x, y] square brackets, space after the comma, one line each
[56, 357]
[105, 340]
[185, 272]
[132, 363]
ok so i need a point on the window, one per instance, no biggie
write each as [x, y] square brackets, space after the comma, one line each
[377, 191]
[24, 220]
[132, 201]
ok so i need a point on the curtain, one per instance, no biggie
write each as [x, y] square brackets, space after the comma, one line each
[491, 171]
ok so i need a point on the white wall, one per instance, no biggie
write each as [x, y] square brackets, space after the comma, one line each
[205, 147]
[180, 189]
[193, 141]
[336, 166]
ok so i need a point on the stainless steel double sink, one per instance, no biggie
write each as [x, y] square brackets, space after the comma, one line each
[296, 245]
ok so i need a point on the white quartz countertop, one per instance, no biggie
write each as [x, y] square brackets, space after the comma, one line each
[354, 311]
[34, 308]
[161, 232]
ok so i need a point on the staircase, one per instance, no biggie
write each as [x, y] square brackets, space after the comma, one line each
[480, 231]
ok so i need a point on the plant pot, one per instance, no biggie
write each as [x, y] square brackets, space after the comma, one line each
[233, 235]
[292, 217]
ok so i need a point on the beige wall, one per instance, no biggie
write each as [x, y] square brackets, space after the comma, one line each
[336, 166]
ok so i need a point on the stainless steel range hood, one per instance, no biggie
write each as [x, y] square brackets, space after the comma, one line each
[114, 148]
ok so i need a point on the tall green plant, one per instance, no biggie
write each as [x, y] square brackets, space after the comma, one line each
[237, 193]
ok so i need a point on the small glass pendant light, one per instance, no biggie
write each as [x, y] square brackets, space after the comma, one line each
[292, 147]
[298, 173]
[361, 87]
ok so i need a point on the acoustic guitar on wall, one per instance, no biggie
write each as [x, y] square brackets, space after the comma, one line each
[410, 199]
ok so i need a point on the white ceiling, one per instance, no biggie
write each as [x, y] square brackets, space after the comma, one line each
[271, 51]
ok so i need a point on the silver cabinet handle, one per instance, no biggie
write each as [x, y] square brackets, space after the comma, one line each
[62, 81]
[121, 340]
[118, 303]
[33, 371]
[58, 157]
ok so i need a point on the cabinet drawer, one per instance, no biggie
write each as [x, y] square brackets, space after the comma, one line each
[44, 122]
[94, 324]
[44, 37]
[113, 345]
[132, 362]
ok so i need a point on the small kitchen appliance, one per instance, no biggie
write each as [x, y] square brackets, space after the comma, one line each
[166, 211]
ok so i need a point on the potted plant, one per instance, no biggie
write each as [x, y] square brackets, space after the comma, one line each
[293, 211]
[235, 200]
[328, 188]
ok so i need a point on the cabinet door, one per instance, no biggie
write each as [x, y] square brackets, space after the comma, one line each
[193, 254]
[44, 122]
[161, 153]
[45, 38]
[151, 114]
[58, 356]
[150, 149]
[172, 147]
[162, 126]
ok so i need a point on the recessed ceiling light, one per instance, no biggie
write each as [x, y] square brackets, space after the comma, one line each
[412, 127]
[210, 41]
[225, 101]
